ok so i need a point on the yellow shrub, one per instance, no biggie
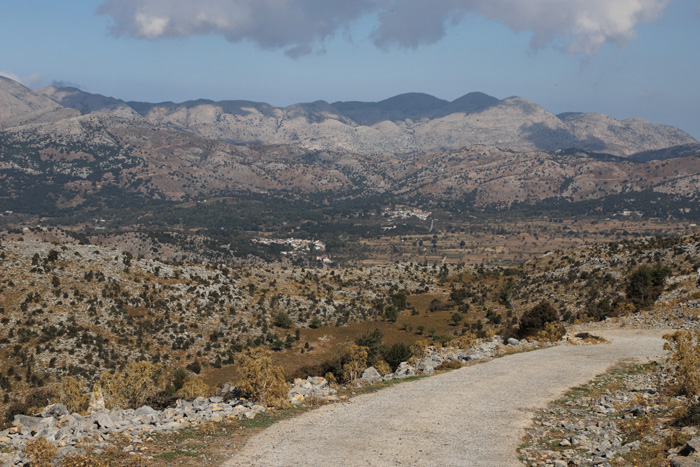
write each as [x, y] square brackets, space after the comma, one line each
[355, 363]
[683, 361]
[131, 387]
[41, 451]
[382, 367]
[419, 348]
[465, 341]
[72, 392]
[193, 388]
[332, 381]
[552, 332]
[624, 309]
[261, 380]
[79, 460]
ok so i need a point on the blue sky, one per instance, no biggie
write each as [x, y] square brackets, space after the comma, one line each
[636, 58]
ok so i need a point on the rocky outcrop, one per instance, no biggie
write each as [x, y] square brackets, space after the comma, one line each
[68, 430]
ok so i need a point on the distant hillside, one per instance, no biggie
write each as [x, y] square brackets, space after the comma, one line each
[402, 124]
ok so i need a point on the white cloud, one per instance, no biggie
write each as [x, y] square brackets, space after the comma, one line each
[301, 26]
[583, 26]
[32, 81]
[297, 26]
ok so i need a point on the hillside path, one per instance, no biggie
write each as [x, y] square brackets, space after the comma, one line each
[474, 416]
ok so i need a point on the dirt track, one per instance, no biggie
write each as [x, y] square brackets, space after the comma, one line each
[474, 416]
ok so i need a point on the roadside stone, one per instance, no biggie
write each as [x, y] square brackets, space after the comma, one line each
[370, 376]
[404, 370]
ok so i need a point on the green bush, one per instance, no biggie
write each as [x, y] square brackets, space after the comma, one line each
[373, 341]
[282, 320]
[536, 319]
[645, 284]
[396, 354]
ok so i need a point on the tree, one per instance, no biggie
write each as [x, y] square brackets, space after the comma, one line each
[456, 318]
[645, 284]
[396, 354]
[372, 341]
[283, 320]
[536, 319]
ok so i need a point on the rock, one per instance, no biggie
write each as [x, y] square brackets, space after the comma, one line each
[429, 363]
[693, 445]
[5, 439]
[513, 342]
[370, 376]
[54, 410]
[144, 411]
[26, 421]
[97, 401]
[404, 370]
[103, 420]
[679, 461]
[297, 399]
[223, 390]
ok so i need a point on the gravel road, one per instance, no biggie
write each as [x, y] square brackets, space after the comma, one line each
[474, 416]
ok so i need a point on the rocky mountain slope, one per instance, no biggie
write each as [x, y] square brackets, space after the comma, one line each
[102, 152]
[406, 123]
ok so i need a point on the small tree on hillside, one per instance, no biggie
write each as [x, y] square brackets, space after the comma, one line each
[536, 319]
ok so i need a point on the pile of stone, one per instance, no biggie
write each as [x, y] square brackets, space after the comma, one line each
[311, 387]
[434, 357]
[689, 456]
[588, 431]
[67, 430]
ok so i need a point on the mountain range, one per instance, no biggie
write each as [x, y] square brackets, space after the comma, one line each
[406, 123]
[64, 150]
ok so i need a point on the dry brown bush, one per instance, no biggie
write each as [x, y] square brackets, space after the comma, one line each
[79, 460]
[465, 341]
[41, 451]
[131, 387]
[261, 380]
[552, 332]
[683, 361]
[194, 387]
[382, 367]
[73, 393]
[355, 363]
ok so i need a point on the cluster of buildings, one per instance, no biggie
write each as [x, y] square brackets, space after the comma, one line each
[296, 244]
[402, 212]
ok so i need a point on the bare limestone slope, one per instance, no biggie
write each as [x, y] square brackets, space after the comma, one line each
[470, 417]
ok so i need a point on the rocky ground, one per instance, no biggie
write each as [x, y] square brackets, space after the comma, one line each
[94, 433]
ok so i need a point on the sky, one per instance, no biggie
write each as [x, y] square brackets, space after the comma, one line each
[624, 58]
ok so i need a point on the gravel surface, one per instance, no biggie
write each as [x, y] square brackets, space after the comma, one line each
[474, 416]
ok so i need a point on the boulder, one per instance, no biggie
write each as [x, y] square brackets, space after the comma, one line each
[54, 410]
[404, 370]
[370, 376]
[514, 342]
[429, 363]
[97, 401]
[144, 411]
[103, 420]
[26, 421]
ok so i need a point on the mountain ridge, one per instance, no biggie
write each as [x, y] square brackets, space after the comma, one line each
[402, 124]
